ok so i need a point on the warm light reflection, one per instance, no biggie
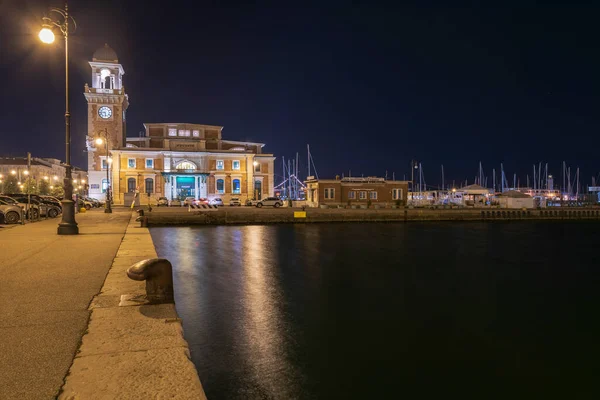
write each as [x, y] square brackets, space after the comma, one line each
[263, 303]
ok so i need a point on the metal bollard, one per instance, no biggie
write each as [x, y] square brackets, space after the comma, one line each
[158, 274]
[144, 222]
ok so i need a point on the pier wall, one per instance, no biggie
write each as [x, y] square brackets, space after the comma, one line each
[136, 351]
[228, 216]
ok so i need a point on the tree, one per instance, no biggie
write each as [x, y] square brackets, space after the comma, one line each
[44, 187]
[10, 185]
[57, 191]
[30, 186]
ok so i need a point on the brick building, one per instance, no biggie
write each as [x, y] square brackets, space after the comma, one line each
[174, 160]
[355, 191]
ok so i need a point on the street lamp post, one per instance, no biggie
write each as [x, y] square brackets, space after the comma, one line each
[68, 225]
[107, 206]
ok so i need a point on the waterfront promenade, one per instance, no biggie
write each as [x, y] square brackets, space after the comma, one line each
[46, 285]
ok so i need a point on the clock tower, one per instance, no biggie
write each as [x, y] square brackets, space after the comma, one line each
[107, 105]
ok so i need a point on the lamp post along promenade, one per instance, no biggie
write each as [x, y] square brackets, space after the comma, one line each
[68, 225]
[99, 141]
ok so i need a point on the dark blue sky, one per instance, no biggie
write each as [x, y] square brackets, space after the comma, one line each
[368, 86]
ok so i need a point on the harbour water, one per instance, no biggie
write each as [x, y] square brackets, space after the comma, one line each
[374, 311]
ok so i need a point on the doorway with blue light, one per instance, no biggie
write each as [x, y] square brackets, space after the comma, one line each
[185, 186]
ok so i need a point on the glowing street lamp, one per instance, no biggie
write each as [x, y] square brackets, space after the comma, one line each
[68, 225]
[46, 35]
[99, 141]
[13, 172]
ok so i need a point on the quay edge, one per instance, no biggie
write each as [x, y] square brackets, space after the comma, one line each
[315, 215]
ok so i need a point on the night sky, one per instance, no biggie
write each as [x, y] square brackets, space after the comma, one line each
[369, 87]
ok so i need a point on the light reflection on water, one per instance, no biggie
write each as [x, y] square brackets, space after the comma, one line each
[359, 311]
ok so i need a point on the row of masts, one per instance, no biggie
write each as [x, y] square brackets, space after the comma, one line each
[540, 180]
[292, 186]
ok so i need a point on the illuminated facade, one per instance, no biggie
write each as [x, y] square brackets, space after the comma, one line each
[172, 160]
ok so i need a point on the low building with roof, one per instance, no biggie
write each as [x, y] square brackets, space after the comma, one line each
[355, 191]
[515, 199]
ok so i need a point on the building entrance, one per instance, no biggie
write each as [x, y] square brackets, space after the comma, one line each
[186, 186]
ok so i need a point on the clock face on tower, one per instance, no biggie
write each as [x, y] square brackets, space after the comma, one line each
[104, 112]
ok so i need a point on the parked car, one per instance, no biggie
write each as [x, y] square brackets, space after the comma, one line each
[11, 214]
[46, 209]
[162, 201]
[251, 202]
[175, 203]
[188, 201]
[202, 200]
[34, 209]
[95, 203]
[270, 201]
[216, 202]
[235, 201]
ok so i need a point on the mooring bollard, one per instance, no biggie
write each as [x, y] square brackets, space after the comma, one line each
[158, 274]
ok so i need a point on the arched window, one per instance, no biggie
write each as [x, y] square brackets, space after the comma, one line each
[104, 185]
[220, 186]
[149, 185]
[106, 80]
[131, 185]
[185, 165]
[236, 186]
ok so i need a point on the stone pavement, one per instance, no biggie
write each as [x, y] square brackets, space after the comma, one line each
[46, 285]
[135, 351]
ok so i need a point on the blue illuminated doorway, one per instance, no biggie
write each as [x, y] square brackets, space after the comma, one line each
[186, 186]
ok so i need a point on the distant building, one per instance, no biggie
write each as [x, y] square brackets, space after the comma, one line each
[515, 199]
[174, 160]
[49, 169]
[355, 191]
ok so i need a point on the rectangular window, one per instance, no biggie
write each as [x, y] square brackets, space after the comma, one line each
[362, 195]
[105, 184]
[373, 195]
[149, 185]
[236, 186]
[196, 133]
[351, 194]
[220, 164]
[131, 163]
[104, 164]
[235, 164]
[256, 166]
[329, 193]
[172, 132]
[220, 186]
[397, 194]
[150, 163]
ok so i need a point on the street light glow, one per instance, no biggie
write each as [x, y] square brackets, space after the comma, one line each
[26, 172]
[255, 163]
[99, 141]
[13, 172]
[46, 35]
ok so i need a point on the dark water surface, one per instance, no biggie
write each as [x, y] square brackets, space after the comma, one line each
[374, 311]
